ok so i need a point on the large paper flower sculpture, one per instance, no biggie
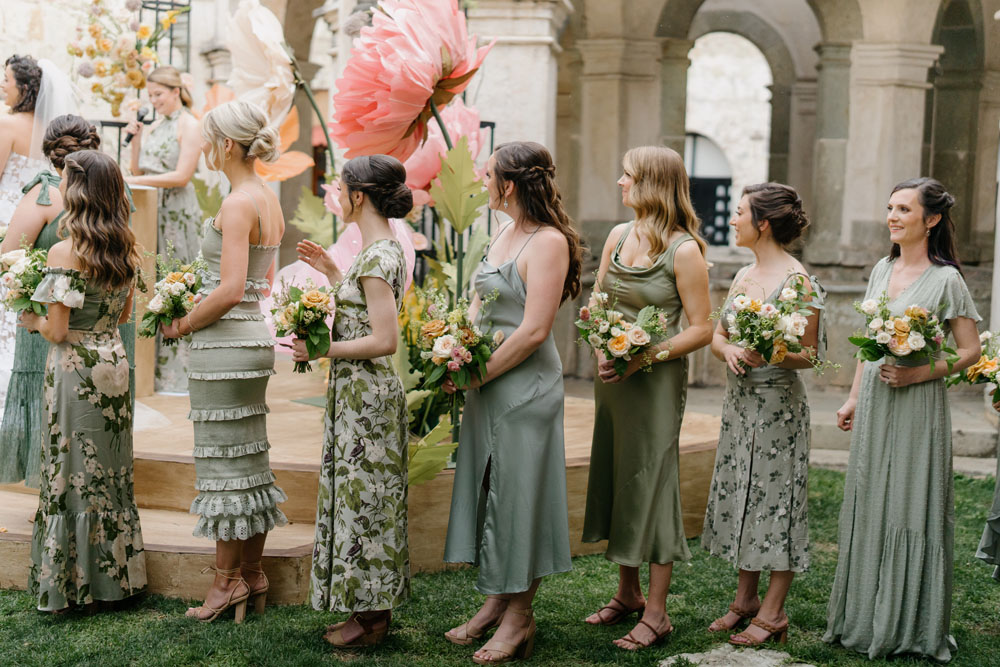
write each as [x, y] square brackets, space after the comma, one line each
[262, 70]
[425, 162]
[415, 52]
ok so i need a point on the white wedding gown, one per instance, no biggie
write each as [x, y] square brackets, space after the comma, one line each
[16, 174]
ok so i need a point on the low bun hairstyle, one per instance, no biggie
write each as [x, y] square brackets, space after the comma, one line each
[171, 78]
[247, 125]
[383, 180]
[781, 206]
[28, 78]
[935, 200]
[67, 134]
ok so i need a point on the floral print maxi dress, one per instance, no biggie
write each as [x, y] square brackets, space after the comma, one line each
[361, 561]
[86, 541]
[179, 225]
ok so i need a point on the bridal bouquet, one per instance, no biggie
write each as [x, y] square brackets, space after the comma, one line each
[450, 343]
[773, 329]
[607, 331]
[173, 296]
[916, 334]
[987, 369]
[22, 271]
[302, 313]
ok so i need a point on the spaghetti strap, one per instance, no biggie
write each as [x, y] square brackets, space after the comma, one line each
[530, 236]
[260, 225]
[499, 234]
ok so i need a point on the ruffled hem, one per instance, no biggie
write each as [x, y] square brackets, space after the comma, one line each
[20, 442]
[251, 283]
[246, 503]
[228, 414]
[235, 483]
[251, 317]
[239, 528]
[231, 451]
[231, 375]
[220, 344]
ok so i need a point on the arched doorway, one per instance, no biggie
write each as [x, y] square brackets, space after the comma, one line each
[711, 183]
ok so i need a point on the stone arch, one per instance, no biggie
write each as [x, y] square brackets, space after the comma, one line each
[839, 20]
[762, 35]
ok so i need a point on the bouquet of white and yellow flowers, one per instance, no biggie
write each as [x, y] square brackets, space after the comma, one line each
[173, 296]
[22, 272]
[987, 369]
[607, 331]
[302, 313]
[916, 334]
[773, 329]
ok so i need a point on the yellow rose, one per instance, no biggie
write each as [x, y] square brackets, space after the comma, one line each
[144, 31]
[755, 305]
[433, 329]
[619, 345]
[902, 328]
[175, 277]
[778, 352]
[315, 299]
[978, 368]
[917, 313]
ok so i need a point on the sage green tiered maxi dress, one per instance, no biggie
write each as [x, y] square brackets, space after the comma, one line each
[892, 590]
[231, 361]
[633, 493]
[509, 512]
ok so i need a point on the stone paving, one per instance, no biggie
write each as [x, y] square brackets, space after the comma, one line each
[730, 656]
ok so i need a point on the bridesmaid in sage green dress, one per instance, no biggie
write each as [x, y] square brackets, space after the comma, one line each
[633, 495]
[35, 224]
[508, 508]
[892, 590]
[756, 515]
[167, 160]
[86, 540]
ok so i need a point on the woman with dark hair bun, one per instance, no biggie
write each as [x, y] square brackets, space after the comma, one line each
[361, 561]
[35, 225]
[508, 507]
[892, 590]
[756, 515]
[18, 162]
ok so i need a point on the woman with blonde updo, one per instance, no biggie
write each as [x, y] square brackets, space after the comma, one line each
[167, 160]
[633, 495]
[232, 357]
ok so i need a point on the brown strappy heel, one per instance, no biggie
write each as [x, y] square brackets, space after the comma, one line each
[744, 615]
[778, 633]
[505, 652]
[258, 595]
[374, 631]
[464, 638]
[618, 614]
[657, 637]
[237, 601]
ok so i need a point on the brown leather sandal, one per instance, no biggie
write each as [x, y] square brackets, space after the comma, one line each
[777, 633]
[618, 613]
[374, 631]
[502, 652]
[237, 601]
[657, 638]
[463, 637]
[744, 615]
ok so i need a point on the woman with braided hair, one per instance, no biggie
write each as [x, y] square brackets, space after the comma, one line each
[508, 507]
[35, 224]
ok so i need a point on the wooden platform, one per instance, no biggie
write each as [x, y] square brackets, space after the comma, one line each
[164, 486]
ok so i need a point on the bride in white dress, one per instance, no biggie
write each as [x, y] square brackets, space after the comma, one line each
[35, 92]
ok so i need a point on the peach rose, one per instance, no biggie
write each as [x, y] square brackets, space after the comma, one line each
[778, 352]
[315, 299]
[619, 345]
[978, 368]
[917, 313]
[638, 336]
[902, 328]
[900, 345]
[433, 329]
[175, 277]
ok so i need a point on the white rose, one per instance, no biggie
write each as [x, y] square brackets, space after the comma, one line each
[73, 299]
[883, 337]
[741, 302]
[916, 341]
[443, 345]
[869, 307]
[799, 322]
[156, 304]
[595, 341]
[616, 332]
[603, 327]
[876, 324]
[111, 379]
[20, 265]
[176, 289]
[638, 336]
[787, 294]
[768, 310]
[785, 324]
[11, 258]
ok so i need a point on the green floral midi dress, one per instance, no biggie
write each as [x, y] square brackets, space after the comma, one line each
[86, 541]
[361, 561]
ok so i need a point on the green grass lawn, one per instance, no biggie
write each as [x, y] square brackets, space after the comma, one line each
[155, 632]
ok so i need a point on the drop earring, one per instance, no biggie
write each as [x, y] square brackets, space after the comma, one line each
[505, 202]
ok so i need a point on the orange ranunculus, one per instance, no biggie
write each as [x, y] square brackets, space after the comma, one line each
[917, 313]
[778, 352]
[619, 345]
[984, 365]
[902, 328]
[433, 329]
[467, 336]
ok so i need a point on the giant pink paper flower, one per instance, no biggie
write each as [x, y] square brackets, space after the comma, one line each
[415, 50]
[425, 163]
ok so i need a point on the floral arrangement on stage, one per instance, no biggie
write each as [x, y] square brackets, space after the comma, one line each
[302, 313]
[116, 51]
[610, 335]
[173, 296]
[986, 370]
[774, 329]
[917, 334]
[22, 272]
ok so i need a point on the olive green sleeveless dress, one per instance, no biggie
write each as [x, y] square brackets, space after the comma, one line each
[509, 512]
[231, 361]
[633, 494]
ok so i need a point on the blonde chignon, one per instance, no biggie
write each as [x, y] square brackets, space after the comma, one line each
[246, 124]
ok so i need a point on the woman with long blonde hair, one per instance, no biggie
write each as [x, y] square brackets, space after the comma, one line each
[86, 539]
[633, 496]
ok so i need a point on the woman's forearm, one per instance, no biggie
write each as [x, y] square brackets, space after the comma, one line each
[515, 349]
[170, 179]
[210, 309]
[693, 338]
[366, 347]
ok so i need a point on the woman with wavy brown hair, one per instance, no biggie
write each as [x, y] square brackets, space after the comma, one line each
[508, 508]
[86, 541]
[35, 224]
[633, 495]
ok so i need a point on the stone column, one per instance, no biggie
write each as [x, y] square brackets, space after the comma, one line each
[983, 204]
[888, 101]
[517, 84]
[777, 164]
[674, 64]
[829, 161]
[802, 139]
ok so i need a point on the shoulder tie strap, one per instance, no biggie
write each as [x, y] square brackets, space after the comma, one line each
[131, 199]
[48, 180]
